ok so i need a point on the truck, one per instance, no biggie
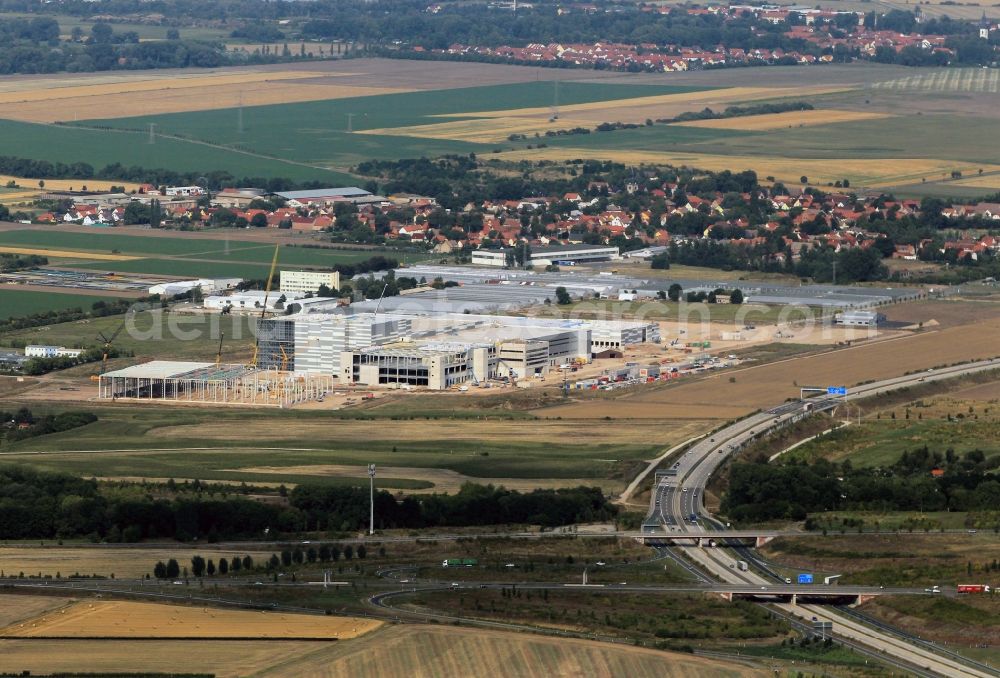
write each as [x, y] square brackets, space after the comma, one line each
[742, 565]
[973, 588]
[459, 562]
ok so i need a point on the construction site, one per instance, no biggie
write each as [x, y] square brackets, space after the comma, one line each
[196, 382]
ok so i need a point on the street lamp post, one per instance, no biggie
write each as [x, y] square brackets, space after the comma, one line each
[371, 499]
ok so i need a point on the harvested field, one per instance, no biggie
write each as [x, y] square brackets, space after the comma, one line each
[31, 188]
[566, 432]
[483, 130]
[984, 181]
[982, 392]
[15, 608]
[128, 619]
[769, 384]
[426, 651]
[946, 80]
[866, 171]
[225, 659]
[66, 254]
[759, 123]
[639, 108]
[496, 126]
[130, 97]
[943, 312]
[121, 561]
[444, 480]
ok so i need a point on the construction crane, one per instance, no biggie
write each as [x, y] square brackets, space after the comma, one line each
[263, 309]
[218, 356]
[107, 349]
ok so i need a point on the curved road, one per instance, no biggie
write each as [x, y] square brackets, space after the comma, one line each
[677, 503]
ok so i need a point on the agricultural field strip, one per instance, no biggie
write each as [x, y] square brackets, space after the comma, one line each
[727, 95]
[126, 619]
[491, 126]
[767, 122]
[871, 171]
[66, 254]
[71, 91]
[182, 100]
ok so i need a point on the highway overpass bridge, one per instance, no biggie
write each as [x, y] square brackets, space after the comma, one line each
[658, 536]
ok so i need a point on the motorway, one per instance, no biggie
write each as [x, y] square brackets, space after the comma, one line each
[677, 505]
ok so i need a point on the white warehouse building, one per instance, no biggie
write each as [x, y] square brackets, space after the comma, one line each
[560, 255]
[37, 351]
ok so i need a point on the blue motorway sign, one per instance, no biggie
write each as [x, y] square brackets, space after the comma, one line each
[836, 390]
[805, 579]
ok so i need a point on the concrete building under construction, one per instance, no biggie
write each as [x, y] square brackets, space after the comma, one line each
[197, 382]
[437, 350]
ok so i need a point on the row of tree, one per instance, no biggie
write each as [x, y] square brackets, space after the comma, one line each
[41, 505]
[760, 491]
[206, 567]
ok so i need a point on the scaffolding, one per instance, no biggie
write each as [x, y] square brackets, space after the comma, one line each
[206, 383]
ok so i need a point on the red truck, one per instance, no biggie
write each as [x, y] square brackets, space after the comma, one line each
[973, 588]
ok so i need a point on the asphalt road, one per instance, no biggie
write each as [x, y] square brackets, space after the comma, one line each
[677, 502]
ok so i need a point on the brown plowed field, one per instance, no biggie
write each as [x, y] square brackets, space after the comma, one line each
[767, 385]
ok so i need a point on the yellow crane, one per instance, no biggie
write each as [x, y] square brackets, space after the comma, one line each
[263, 309]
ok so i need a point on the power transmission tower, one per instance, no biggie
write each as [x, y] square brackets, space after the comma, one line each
[239, 115]
[350, 122]
[152, 132]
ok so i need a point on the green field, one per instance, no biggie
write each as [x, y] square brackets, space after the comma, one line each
[655, 138]
[939, 135]
[65, 144]
[318, 135]
[15, 303]
[67, 22]
[187, 256]
[881, 442]
[131, 441]
[149, 335]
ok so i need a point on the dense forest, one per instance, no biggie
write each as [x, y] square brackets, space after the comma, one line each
[760, 491]
[42, 505]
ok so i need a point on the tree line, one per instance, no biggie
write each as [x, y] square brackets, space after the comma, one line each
[759, 491]
[215, 179]
[43, 505]
[23, 424]
[19, 262]
[288, 557]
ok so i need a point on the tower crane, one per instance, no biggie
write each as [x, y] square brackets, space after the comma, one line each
[263, 310]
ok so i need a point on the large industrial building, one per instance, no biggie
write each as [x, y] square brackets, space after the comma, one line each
[312, 343]
[560, 255]
[436, 350]
[308, 281]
